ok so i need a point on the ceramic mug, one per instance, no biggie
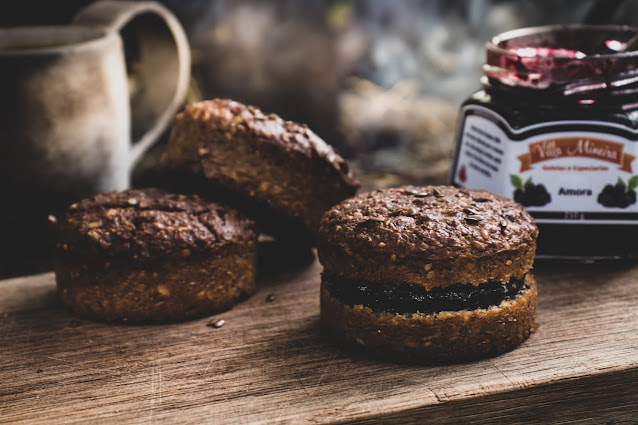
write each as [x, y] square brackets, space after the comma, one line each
[79, 106]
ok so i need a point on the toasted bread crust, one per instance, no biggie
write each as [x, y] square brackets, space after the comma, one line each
[147, 256]
[501, 266]
[442, 338]
[432, 236]
[143, 225]
[278, 164]
[167, 292]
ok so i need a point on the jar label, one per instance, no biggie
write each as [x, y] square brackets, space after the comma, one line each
[560, 171]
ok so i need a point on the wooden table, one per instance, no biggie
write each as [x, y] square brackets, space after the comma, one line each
[270, 364]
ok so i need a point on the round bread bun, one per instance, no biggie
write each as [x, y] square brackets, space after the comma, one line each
[428, 274]
[143, 256]
[279, 172]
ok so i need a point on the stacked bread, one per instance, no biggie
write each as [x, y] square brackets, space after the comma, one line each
[429, 274]
[155, 256]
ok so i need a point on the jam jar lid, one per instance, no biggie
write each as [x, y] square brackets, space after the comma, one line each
[568, 59]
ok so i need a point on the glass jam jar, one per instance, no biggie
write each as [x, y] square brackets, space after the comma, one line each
[555, 127]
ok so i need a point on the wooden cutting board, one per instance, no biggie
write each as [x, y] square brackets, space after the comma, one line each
[269, 362]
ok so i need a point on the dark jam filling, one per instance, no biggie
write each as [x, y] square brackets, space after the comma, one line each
[411, 299]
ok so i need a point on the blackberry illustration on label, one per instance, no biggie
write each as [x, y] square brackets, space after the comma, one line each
[529, 194]
[620, 195]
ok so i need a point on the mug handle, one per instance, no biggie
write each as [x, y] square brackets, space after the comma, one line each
[152, 106]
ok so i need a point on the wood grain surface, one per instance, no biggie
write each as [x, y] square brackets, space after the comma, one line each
[269, 362]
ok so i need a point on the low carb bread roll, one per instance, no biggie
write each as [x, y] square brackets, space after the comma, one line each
[279, 172]
[428, 274]
[142, 256]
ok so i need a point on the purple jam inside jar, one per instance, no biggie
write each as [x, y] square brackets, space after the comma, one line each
[555, 127]
[564, 59]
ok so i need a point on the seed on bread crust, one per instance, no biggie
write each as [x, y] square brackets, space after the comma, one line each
[388, 285]
[148, 260]
[280, 166]
[466, 240]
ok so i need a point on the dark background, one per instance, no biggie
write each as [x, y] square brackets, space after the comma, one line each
[379, 80]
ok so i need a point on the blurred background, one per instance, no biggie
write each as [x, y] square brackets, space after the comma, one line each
[382, 81]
